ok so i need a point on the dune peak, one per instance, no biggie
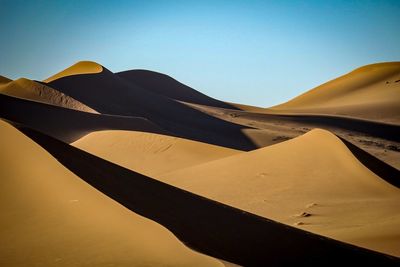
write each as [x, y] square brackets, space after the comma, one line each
[81, 67]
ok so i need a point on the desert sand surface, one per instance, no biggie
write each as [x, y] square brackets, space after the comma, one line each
[50, 217]
[149, 153]
[96, 155]
[313, 182]
[205, 225]
[370, 92]
[32, 90]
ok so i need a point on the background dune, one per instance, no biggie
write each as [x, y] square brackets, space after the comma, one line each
[167, 86]
[313, 182]
[50, 217]
[370, 92]
[82, 67]
[32, 90]
[149, 153]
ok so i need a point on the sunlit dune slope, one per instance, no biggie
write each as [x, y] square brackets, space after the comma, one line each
[50, 217]
[149, 153]
[32, 90]
[370, 92]
[82, 67]
[312, 181]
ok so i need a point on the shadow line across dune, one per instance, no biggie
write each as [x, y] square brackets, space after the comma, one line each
[205, 225]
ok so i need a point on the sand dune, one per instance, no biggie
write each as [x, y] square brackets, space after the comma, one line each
[208, 226]
[50, 217]
[370, 92]
[82, 67]
[167, 86]
[148, 153]
[32, 90]
[66, 124]
[127, 99]
[282, 181]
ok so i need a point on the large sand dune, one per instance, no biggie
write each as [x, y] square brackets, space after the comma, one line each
[205, 225]
[50, 217]
[148, 153]
[127, 99]
[313, 181]
[370, 92]
[32, 90]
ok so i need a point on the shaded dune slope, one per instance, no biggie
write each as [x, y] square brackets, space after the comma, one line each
[167, 86]
[127, 99]
[205, 225]
[373, 128]
[148, 153]
[66, 124]
[50, 217]
[32, 90]
[280, 181]
[370, 92]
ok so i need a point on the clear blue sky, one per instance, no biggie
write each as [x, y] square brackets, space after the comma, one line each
[254, 52]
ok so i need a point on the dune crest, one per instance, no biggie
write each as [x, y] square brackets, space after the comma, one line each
[32, 90]
[280, 182]
[53, 218]
[149, 153]
[369, 92]
[81, 67]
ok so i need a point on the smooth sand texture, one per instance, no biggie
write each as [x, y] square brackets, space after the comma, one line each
[149, 153]
[32, 90]
[81, 67]
[50, 217]
[314, 174]
[370, 92]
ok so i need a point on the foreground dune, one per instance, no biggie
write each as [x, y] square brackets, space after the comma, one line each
[50, 217]
[313, 182]
[32, 90]
[149, 153]
[370, 92]
[208, 226]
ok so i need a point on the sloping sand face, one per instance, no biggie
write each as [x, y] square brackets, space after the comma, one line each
[370, 92]
[31, 90]
[149, 153]
[81, 67]
[50, 217]
[313, 182]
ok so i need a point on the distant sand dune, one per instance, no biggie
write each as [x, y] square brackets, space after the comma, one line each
[82, 67]
[50, 217]
[280, 181]
[32, 90]
[167, 86]
[370, 92]
[128, 99]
